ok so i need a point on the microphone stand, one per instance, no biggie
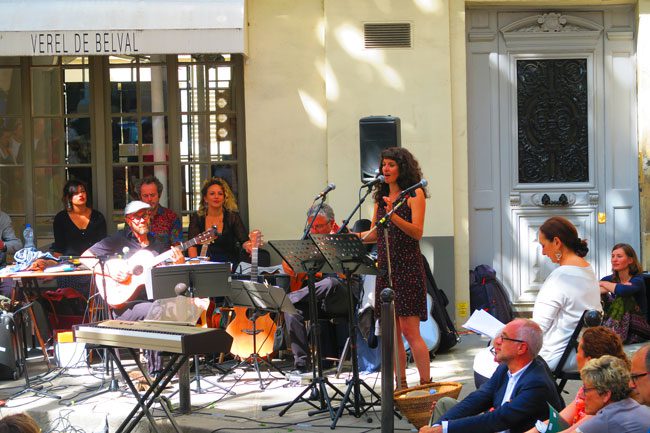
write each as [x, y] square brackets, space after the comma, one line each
[384, 223]
[347, 220]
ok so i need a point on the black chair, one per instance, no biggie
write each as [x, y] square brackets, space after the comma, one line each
[589, 318]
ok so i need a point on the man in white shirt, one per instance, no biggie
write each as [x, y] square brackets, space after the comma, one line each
[514, 397]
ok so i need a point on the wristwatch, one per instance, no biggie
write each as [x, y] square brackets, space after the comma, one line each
[541, 427]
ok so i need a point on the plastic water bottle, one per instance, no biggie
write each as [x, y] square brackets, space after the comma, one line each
[28, 235]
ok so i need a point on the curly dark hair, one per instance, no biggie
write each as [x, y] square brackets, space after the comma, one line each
[565, 231]
[230, 204]
[409, 172]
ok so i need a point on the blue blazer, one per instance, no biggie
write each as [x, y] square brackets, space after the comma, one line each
[527, 404]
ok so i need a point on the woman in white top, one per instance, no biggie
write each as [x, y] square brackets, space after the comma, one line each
[567, 292]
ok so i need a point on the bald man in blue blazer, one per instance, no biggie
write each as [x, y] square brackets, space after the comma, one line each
[515, 396]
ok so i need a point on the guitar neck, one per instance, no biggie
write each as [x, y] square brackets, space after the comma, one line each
[254, 264]
[170, 253]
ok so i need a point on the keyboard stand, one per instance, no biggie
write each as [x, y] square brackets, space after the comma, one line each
[156, 387]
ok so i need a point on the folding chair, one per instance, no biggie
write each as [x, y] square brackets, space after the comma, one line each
[589, 318]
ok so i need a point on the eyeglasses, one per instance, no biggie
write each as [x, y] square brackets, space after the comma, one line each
[593, 388]
[636, 376]
[140, 216]
[509, 339]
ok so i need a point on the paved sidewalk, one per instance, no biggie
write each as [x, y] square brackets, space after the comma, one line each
[215, 410]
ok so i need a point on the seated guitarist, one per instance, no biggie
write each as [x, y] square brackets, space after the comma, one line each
[133, 238]
[331, 294]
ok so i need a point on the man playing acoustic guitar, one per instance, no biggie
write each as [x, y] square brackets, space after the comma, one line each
[133, 238]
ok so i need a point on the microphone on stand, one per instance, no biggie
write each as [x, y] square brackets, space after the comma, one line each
[412, 188]
[329, 187]
[379, 179]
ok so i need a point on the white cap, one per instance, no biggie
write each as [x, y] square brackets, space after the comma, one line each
[135, 206]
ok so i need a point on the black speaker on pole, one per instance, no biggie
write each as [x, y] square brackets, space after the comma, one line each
[376, 133]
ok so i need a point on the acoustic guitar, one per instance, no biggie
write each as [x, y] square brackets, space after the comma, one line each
[251, 336]
[138, 267]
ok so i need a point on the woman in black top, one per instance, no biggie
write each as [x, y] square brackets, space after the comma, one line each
[76, 229]
[219, 208]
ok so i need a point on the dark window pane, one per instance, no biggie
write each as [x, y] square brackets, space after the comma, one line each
[78, 146]
[124, 180]
[46, 91]
[154, 139]
[12, 196]
[552, 108]
[76, 90]
[49, 141]
[48, 186]
[11, 140]
[123, 92]
[10, 91]
[125, 139]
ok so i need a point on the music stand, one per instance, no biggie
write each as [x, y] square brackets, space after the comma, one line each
[304, 255]
[206, 279]
[203, 280]
[347, 255]
[262, 299]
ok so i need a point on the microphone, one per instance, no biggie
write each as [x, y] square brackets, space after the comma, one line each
[410, 189]
[379, 179]
[180, 289]
[330, 187]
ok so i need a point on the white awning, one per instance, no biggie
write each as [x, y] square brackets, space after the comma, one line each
[106, 27]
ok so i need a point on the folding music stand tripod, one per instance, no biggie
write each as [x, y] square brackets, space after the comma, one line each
[261, 298]
[303, 255]
[346, 254]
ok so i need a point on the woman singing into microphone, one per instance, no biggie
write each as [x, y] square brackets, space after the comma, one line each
[401, 170]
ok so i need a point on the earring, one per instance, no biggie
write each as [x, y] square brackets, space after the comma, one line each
[558, 255]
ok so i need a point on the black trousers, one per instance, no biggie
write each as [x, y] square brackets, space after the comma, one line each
[332, 301]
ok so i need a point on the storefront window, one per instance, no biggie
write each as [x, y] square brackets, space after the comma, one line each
[112, 133]
[208, 116]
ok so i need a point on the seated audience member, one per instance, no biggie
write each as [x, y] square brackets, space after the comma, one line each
[136, 237]
[18, 423]
[567, 292]
[594, 343]
[515, 396]
[624, 296]
[219, 208]
[331, 294]
[165, 224]
[640, 377]
[76, 228]
[9, 244]
[606, 384]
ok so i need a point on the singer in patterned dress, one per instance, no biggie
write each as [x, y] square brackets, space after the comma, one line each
[401, 170]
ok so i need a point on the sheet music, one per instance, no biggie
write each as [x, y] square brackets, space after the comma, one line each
[483, 323]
